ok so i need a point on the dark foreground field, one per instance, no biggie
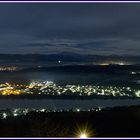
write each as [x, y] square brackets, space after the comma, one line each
[117, 122]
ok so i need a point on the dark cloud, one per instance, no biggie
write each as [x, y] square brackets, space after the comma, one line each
[103, 29]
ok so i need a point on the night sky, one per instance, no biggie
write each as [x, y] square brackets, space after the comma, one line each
[103, 29]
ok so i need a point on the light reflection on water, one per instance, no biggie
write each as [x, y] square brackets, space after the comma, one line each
[54, 104]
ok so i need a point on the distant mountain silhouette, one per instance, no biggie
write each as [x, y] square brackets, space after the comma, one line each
[66, 57]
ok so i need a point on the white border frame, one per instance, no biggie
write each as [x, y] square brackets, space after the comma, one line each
[35, 1]
[36, 138]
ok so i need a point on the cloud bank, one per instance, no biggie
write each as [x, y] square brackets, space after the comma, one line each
[103, 29]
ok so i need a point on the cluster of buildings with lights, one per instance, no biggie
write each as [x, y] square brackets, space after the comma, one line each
[8, 68]
[50, 88]
[15, 112]
[113, 63]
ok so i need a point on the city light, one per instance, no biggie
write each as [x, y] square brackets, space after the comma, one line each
[10, 91]
[4, 115]
[112, 63]
[137, 93]
[133, 72]
[24, 111]
[50, 88]
[15, 114]
[78, 110]
[59, 61]
[8, 68]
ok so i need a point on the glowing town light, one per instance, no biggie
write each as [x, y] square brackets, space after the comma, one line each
[104, 64]
[133, 72]
[78, 110]
[42, 110]
[15, 114]
[121, 63]
[83, 136]
[100, 108]
[4, 115]
[11, 91]
[137, 93]
[59, 61]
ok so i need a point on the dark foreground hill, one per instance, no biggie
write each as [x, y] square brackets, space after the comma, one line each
[116, 122]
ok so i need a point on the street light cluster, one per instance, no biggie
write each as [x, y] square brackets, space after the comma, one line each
[24, 111]
[50, 88]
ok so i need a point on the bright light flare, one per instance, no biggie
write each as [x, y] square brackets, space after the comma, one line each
[83, 136]
[84, 131]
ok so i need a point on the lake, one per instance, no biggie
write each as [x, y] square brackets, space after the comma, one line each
[56, 104]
